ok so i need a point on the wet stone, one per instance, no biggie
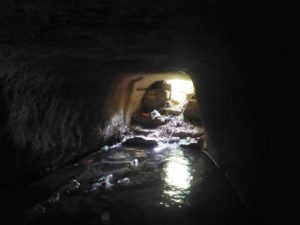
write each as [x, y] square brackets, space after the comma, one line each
[134, 163]
[102, 185]
[54, 198]
[174, 140]
[73, 186]
[124, 182]
[39, 208]
[141, 142]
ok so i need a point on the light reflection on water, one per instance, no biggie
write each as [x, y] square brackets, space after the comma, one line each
[177, 178]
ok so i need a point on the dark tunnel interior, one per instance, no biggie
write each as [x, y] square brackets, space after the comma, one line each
[91, 131]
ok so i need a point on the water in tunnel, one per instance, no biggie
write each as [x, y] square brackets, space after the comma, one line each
[152, 169]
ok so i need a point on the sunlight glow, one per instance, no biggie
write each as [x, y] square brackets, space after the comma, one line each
[180, 88]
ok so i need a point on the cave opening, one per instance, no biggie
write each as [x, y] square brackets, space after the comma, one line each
[162, 107]
[152, 163]
[165, 101]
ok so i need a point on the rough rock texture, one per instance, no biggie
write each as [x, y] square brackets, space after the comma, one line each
[155, 97]
[192, 110]
[59, 60]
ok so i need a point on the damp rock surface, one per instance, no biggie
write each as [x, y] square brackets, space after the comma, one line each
[141, 141]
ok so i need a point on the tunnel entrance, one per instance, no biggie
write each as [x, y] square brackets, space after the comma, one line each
[161, 109]
[168, 113]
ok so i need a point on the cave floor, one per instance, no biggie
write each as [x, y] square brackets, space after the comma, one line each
[172, 185]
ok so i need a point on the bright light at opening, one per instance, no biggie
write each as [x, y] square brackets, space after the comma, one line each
[180, 88]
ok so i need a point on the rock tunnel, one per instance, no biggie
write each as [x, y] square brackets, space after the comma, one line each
[73, 79]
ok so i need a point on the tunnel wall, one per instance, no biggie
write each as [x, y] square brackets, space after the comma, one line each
[51, 115]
